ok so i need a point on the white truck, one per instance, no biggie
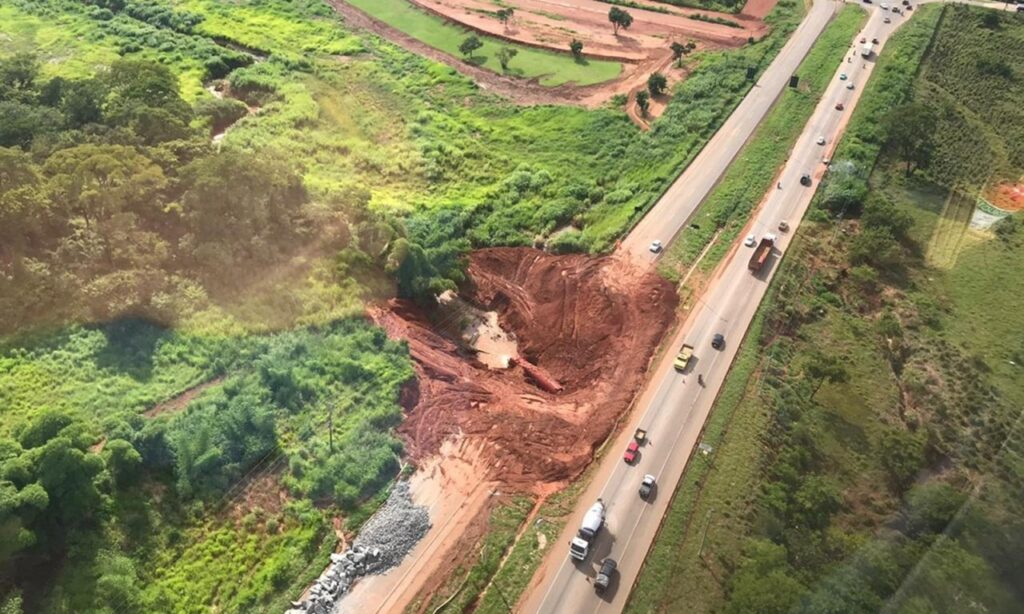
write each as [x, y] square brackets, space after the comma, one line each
[579, 547]
[866, 50]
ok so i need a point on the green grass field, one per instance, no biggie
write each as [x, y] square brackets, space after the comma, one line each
[550, 68]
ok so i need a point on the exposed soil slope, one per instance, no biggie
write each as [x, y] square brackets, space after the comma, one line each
[551, 24]
[592, 323]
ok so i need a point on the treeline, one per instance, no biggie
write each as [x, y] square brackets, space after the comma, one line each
[114, 203]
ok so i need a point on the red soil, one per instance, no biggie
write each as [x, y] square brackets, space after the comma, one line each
[1007, 196]
[592, 323]
[552, 24]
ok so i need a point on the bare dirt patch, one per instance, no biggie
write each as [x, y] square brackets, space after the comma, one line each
[262, 491]
[553, 24]
[590, 323]
[181, 401]
[1008, 196]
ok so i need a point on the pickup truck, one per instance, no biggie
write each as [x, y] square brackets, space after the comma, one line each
[683, 358]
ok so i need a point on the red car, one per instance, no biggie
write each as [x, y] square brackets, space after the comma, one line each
[631, 451]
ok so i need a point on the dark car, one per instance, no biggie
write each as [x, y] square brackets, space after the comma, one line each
[646, 486]
[604, 577]
[805, 180]
[718, 341]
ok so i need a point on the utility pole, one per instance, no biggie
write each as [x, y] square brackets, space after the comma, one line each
[330, 426]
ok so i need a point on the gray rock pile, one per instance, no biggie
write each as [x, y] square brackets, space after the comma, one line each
[382, 543]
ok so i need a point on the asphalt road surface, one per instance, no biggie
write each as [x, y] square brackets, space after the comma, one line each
[675, 406]
[672, 212]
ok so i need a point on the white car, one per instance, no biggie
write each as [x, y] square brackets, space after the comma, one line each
[749, 241]
[820, 141]
[884, 6]
[849, 86]
[886, 20]
[655, 246]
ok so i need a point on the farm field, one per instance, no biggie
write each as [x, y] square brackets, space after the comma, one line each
[866, 446]
[541, 31]
[548, 67]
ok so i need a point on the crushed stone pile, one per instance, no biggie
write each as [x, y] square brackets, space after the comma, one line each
[382, 543]
[395, 529]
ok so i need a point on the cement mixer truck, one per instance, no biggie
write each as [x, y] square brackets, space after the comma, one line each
[579, 547]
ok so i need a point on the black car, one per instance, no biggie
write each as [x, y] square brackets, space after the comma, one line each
[647, 486]
[718, 341]
[604, 577]
[805, 180]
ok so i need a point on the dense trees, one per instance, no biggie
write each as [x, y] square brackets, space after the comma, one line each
[49, 484]
[910, 132]
[505, 55]
[643, 102]
[112, 203]
[504, 15]
[679, 50]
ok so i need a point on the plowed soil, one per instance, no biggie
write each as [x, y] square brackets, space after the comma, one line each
[591, 323]
[552, 24]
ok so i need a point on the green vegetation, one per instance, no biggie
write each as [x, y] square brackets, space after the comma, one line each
[551, 68]
[179, 361]
[467, 586]
[313, 407]
[722, 21]
[522, 561]
[871, 460]
[726, 209]
[724, 6]
[630, 4]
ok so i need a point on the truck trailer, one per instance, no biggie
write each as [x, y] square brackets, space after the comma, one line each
[761, 253]
[579, 547]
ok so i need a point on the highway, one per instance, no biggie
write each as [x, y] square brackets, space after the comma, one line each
[675, 208]
[674, 407]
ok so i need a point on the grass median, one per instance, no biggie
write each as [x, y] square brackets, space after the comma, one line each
[751, 174]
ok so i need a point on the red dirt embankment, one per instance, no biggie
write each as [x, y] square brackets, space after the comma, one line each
[591, 323]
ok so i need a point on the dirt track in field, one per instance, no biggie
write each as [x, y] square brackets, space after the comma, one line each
[552, 24]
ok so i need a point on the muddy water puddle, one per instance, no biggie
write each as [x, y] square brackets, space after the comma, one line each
[480, 330]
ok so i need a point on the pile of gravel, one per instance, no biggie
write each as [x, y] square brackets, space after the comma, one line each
[382, 543]
[394, 529]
